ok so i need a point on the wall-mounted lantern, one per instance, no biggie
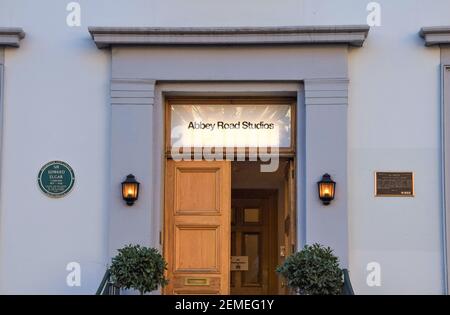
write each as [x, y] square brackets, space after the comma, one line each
[327, 188]
[130, 189]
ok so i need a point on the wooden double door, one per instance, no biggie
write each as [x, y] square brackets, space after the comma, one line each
[207, 229]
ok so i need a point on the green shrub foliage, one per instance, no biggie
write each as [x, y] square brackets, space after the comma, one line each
[313, 271]
[140, 268]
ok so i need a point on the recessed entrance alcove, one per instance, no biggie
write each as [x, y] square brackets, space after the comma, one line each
[151, 67]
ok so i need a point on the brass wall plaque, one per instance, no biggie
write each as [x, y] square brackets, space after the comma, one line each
[394, 184]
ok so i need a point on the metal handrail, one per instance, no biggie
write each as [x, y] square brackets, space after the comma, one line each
[107, 287]
[347, 289]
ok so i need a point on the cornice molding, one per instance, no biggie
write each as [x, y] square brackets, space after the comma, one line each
[435, 35]
[352, 35]
[11, 36]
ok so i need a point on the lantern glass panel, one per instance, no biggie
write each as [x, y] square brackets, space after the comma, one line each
[130, 190]
[326, 190]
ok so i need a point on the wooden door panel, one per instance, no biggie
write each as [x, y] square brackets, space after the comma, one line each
[192, 200]
[197, 227]
[196, 248]
[292, 209]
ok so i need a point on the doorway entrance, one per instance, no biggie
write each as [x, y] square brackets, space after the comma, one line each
[227, 223]
[253, 241]
[261, 232]
[227, 226]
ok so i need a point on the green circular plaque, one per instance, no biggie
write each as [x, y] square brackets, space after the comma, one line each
[56, 179]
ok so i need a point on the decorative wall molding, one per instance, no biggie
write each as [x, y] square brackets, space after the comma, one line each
[445, 160]
[435, 35]
[132, 92]
[352, 35]
[440, 35]
[11, 36]
[326, 91]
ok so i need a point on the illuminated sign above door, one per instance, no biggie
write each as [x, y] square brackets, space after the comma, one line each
[241, 125]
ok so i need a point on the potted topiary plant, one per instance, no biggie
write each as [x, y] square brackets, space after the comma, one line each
[140, 268]
[313, 271]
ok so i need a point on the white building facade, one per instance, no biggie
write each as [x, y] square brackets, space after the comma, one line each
[87, 82]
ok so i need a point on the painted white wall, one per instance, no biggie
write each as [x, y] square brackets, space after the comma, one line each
[56, 107]
[394, 125]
